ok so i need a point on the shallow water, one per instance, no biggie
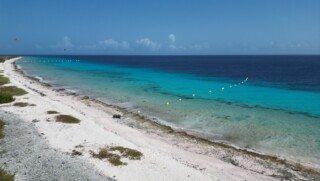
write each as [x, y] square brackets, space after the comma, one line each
[266, 114]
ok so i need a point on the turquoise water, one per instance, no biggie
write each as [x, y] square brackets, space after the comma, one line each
[269, 120]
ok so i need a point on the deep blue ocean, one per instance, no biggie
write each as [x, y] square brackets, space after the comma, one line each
[270, 104]
[289, 72]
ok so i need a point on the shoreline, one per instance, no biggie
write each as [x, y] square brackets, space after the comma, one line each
[179, 131]
[269, 167]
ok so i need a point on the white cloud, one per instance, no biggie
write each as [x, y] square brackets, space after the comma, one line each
[172, 38]
[172, 45]
[146, 42]
[114, 44]
[67, 42]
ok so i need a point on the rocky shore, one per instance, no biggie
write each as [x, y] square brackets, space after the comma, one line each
[25, 152]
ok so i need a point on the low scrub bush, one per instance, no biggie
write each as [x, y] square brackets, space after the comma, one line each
[114, 154]
[67, 119]
[22, 104]
[1, 129]
[4, 80]
[52, 112]
[5, 176]
[5, 98]
[12, 90]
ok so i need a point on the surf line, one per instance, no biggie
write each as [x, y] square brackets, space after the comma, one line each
[50, 61]
[210, 91]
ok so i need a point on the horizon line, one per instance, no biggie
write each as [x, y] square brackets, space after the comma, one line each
[159, 54]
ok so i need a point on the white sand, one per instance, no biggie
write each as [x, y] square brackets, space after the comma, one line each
[161, 160]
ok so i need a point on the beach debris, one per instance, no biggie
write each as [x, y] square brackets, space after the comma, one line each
[180, 99]
[60, 89]
[35, 120]
[116, 116]
[193, 95]
[35, 90]
[79, 146]
[48, 120]
[168, 103]
[85, 97]
[210, 91]
[76, 153]
[222, 88]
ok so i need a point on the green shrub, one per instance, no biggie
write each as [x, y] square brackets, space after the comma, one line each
[1, 129]
[4, 80]
[12, 90]
[5, 176]
[5, 98]
[4, 58]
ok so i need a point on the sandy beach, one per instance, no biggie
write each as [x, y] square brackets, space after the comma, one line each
[167, 154]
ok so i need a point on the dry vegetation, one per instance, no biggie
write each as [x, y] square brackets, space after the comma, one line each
[67, 119]
[22, 104]
[4, 58]
[115, 153]
[127, 152]
[52, 112]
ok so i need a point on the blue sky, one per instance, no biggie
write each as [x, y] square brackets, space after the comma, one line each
[160, 27]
